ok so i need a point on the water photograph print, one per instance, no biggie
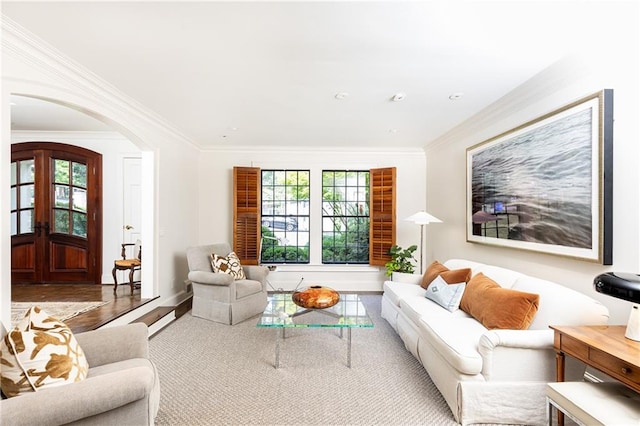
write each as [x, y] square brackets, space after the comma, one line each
[546, 185]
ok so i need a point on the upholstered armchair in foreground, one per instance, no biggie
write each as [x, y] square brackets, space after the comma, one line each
[222, 297]
[122, 387]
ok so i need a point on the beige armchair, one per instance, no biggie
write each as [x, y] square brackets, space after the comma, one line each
[217, 296]
[122, 387]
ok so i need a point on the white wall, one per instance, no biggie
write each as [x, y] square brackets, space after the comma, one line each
[614, 65]
[170, 183]
[216, 213]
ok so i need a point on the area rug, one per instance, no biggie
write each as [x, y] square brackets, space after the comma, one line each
[215, 374]
[60, 310]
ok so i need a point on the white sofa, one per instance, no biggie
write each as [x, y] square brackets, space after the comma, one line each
[489, 376]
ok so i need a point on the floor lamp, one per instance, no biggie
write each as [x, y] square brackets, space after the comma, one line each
[422, 218]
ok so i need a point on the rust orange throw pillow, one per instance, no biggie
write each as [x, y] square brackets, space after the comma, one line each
[454, 276]
[497, 307]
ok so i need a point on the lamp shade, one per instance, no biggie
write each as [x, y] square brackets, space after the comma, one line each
[422, 218]
[621, 285]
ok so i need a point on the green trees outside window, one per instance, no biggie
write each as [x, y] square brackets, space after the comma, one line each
[285, 212]
[70, 197]
[345, 216]
[285, 216]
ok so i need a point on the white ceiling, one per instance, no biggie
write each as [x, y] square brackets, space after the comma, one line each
[266, 73]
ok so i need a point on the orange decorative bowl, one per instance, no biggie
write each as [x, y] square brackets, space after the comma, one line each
[316, 297]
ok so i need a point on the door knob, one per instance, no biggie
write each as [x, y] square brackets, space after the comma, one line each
[128, 227]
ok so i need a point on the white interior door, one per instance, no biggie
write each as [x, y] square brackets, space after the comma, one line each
[132, 200]
[132, 206]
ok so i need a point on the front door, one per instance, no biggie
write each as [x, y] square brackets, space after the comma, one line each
[56, 214]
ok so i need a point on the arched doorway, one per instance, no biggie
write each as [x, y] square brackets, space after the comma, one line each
[56, 214]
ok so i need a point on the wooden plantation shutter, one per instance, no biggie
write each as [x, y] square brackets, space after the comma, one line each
[246, 214]
[382, 214]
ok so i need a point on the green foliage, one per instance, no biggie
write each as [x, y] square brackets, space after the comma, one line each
[294, 182]
[401, 260]
[274, 252]
[347, 241]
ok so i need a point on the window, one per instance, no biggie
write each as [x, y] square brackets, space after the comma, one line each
[345, 216]
[272, 211]
[22, 196]
[70, 197]
[285, 216]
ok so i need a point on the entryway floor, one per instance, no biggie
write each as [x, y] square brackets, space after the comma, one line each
[121, 303]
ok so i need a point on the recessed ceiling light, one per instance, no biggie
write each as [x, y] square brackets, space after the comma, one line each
[393, 130]
[341, 96]
[398, 97]
[456, 96]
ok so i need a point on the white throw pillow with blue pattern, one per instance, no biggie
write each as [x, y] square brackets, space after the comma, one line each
[446, 295]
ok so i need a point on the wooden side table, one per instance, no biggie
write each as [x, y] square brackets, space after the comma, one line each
[602, 347]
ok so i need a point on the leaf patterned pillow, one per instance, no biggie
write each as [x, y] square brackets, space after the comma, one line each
[229, 264]
[40, 352]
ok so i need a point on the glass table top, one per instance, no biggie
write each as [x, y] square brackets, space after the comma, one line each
[281, 312]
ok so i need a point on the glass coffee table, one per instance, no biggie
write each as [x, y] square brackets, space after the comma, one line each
[281, 313]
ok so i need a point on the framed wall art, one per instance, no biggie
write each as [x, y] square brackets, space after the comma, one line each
[546, 186]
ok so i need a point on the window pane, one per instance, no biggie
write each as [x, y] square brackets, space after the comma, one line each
[79, 224]
[14, 223]
[279, 178]
[14, 176]
[61, 171]
[268, 177]
[279, 193]
[61, 221]
[268, 208]
[79, 175]
[345, 222]
[27, 168]
[27, 195]
[26, 221]
[14, 198]
[291, 192]
[352, 193]
[61, 196]
[291, 177]
[285, 216]
[80, 199]
[267, 192]
[303, 208]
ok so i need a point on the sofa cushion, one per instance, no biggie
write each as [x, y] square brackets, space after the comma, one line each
[497, 307]
[246, 288]
[456, 340]
[505, 277]
[446, 295]
[433, 270]
[395, 291]
[38, 353]
[561, 305]
[418, 307]
[436, 269]
[229, 264]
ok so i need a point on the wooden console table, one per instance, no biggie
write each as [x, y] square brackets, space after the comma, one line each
[602, 347]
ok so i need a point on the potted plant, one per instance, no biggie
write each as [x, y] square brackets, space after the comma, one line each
[401, 260]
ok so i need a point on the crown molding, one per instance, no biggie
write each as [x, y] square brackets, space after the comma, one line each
[34, 51]
[81, 135]
[329, 149]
